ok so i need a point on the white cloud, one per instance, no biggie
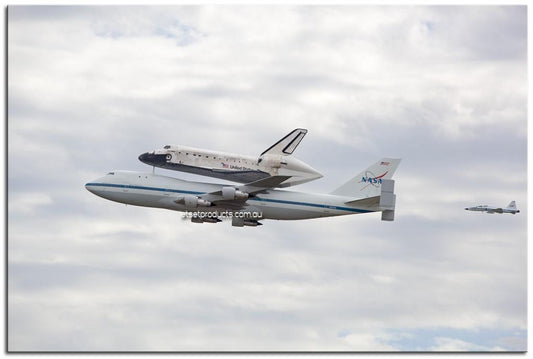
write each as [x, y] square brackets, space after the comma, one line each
[456, 345]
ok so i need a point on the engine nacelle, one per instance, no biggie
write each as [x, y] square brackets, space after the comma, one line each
[230, 193]
[205, 220]
[241, 222]
[193, 202]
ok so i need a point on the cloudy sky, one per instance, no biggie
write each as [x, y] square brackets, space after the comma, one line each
[444, 88]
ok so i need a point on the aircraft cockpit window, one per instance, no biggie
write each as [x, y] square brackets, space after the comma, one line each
[111, 173]
[166, 147]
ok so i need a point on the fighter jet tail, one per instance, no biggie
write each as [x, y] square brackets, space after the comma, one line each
[368, 182]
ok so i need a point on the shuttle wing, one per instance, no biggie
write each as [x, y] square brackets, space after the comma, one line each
[264, 183]
[287, 144]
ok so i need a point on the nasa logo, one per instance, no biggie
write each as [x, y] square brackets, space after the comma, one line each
[372, 179]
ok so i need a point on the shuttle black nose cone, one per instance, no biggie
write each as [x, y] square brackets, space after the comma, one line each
[144, 157]
[152, 159]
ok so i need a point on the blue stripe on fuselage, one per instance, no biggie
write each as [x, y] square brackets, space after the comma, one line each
[249, 199]
[309, 204]
[141, 187]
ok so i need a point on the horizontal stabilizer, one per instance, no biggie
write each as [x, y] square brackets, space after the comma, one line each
[287, 144]
[370, 202]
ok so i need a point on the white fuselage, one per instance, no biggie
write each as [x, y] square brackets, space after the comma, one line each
[150, 190]
[229, 166]
[491, 209]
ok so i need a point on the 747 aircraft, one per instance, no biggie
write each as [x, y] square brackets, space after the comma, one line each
[511, 208]
[372, 190]
[274, 161]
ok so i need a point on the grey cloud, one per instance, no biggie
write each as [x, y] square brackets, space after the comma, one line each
[419, 83]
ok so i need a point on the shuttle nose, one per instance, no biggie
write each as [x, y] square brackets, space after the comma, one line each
[152, 159]
[144, 157]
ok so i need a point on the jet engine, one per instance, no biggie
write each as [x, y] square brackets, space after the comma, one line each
[193, 202]
[205, 220]
[230, 193]
[241, 222]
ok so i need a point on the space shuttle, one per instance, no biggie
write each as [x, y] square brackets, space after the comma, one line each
[275, 161]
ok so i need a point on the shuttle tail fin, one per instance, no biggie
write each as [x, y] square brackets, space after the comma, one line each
[512, 205]
[368, 182]
[287, 144]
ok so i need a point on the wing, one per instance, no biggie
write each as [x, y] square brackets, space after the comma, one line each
[493, 210]
[235, 197]
[263, 184]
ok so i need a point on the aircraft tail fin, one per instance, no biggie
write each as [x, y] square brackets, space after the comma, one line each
[287, 144]
[512, 205]
[368, 182]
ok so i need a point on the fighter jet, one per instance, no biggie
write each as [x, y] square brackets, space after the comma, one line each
[511, 208]
[372, 190]
[275, 161]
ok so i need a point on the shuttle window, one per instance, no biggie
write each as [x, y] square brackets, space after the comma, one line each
[111, 173]
[194, 154]
[166, 147]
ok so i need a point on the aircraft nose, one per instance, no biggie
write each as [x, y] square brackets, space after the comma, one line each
[144, 157]
[152, 159]
[466, 209]
[91, 186]
[94, 186]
